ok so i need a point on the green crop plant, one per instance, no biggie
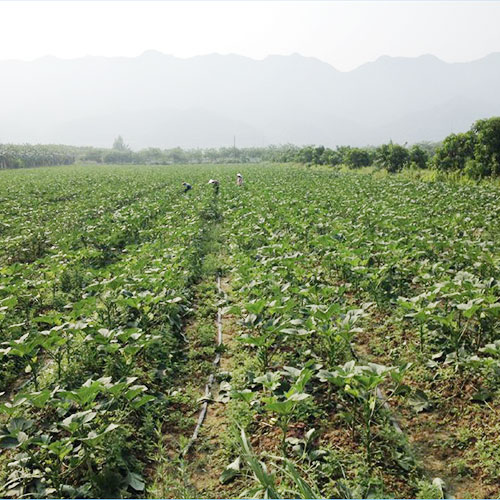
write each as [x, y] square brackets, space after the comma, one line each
[106, 333]
[360, 387]
[284, 406]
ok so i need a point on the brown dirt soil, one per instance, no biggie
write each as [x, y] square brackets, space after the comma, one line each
[205, 461]
[208, 456]
[429, 432]
[435, 437]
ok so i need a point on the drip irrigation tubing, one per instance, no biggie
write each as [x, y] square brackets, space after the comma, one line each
[211, 378]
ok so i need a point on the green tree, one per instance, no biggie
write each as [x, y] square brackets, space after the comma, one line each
[357, 158]
[306, 154]
[119, 144]
[393, 157]
[487, 145]
[455, 151]
[332, 157]
[318, 155]
[419, 156]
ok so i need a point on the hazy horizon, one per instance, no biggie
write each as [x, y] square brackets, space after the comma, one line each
[198, 73]
[157, 100]
[256, 59]
[344, 34]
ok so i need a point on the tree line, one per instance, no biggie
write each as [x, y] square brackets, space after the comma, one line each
[393, 157]
[475, 153]
[26, 155]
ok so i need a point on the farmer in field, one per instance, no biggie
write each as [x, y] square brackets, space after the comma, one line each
[239, 180]
[187, 187]
[215, 184]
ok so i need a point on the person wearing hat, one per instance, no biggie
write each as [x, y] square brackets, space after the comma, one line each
[239, 180]
[187, 187]
[215, 184]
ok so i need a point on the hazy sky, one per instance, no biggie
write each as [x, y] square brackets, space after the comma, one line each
[345, 34]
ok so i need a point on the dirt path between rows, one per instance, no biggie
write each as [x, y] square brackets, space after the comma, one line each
[209, 454]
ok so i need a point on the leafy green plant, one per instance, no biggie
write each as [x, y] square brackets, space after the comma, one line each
[284, 406]
[266, 481]
[360, 384]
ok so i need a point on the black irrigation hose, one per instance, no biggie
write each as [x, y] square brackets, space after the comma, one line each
[208, 386]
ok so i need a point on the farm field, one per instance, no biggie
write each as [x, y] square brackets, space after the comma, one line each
[360, 327]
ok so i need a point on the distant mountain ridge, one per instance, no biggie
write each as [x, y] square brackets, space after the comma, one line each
[160, 100]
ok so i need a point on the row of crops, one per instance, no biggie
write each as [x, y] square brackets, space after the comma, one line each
[352, 303]
[361, 300]
[97, 272]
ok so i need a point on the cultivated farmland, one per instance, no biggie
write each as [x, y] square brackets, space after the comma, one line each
[360, 347]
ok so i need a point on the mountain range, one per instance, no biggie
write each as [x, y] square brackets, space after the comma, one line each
[206, 101]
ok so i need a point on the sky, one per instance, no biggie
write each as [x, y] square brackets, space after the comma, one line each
[344, 34]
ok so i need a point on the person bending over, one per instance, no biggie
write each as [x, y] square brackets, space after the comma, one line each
[215, 184]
